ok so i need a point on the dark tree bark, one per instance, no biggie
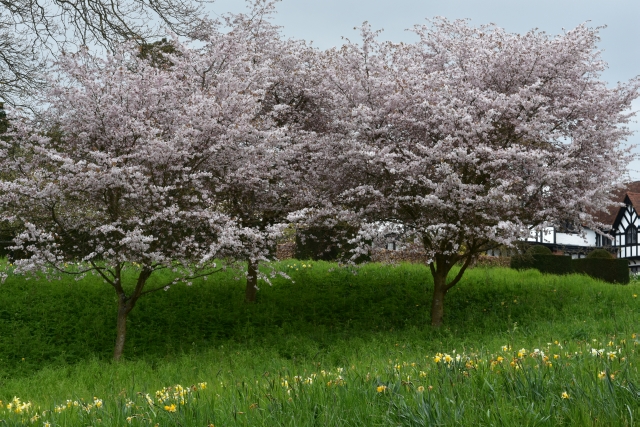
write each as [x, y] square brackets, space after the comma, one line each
[121, 327]
[440, 269]
[252, 282]
[125, 305]
[439, 292]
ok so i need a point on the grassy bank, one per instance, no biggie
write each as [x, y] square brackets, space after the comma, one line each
[332, 347]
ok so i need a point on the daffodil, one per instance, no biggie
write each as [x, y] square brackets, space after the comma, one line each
[381, 388]
[565, 395]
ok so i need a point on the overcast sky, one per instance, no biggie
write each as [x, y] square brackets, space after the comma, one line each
[325, 21]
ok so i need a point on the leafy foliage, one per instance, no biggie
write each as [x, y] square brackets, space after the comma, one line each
[538, 250]
[599, 253]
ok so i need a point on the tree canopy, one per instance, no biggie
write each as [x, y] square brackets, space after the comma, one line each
[171, 156]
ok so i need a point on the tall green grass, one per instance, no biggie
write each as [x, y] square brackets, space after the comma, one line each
[366, 329]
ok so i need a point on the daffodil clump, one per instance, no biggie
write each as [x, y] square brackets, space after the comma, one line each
[142, 410]
[297, 266]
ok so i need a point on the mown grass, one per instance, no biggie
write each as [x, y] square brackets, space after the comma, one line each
[334, 346]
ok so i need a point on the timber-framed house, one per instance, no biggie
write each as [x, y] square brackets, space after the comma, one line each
[625, 231]
[624, 225]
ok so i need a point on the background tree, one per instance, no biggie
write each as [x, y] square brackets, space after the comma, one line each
[127, 184]
[260, 177]
[471, 136]
[31, 28]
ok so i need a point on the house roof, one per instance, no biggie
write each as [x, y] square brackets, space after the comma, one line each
[609, 215]
[634, 198]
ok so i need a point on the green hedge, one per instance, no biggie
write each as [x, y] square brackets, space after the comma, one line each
[609, 270]
[550, 264]
[595, 265]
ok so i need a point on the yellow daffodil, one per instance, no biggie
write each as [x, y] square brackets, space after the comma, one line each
[381, 388]
[565, 395]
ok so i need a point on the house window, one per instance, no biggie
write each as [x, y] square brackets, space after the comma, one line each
[602, 241]
[631, 235]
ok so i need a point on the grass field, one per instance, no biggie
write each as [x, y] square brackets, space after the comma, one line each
[334, 346]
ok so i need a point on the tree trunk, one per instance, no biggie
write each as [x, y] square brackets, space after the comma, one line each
[121, 326]
[437, 304]
[252, 282]
[440, 270]
[125, 305]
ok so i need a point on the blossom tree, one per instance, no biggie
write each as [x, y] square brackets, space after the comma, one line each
[122, 172]
[470, 137]
[254, 174]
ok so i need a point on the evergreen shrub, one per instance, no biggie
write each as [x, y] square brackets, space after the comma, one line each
[600, 253]
[539, 250]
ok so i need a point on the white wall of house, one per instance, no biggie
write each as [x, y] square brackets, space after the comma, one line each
[589, 239]
[549, 235]
[544, 236]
